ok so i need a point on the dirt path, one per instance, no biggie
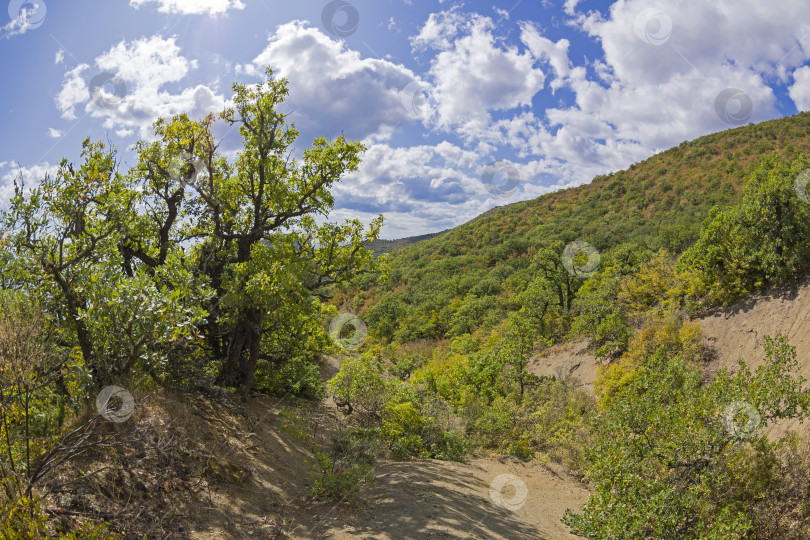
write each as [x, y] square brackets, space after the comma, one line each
[570, 360]
[440, 499]
[420, 499]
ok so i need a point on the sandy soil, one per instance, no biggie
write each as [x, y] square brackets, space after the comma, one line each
[570, 360]
[439, 499]
[422, 499]
[738, 332]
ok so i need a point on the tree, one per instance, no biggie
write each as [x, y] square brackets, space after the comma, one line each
[65, 233]
[523, 338]
[188, 243]
[548, 264]
[359, 387]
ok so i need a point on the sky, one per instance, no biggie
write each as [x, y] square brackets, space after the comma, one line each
[462, 105]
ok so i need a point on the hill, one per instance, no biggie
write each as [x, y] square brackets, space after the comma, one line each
[381, 246]
[660, 203]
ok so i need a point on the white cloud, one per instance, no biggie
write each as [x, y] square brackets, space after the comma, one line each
[439, 30]
[478, 74]
[30, 176]
[30, 15]
[128, 90]
[425, 188]
[60, 56]
[502, 12]
[192, 7]
[74, 91]
[542, 48]
[800, 90]
[333, 88]
[54, 133]
[643, 97]
[665, 65]
[570, 6]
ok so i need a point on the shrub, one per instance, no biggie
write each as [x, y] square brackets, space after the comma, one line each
[359, 386]
[299, 377]
[668, 447]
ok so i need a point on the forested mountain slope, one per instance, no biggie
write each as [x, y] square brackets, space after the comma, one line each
[659, 202]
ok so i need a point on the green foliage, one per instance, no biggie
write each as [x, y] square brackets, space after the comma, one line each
[359, 387]
[34, 398]
[190, 265]
[660, 465]
[337, 474]
[761, 241]
[391, 413]
[297, 377]
[660, 329]
[26, 519]
[548, 421]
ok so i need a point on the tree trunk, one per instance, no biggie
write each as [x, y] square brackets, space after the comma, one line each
[100, 375]
[239, 369]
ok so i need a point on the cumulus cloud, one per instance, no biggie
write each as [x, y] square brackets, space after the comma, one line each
[666, 76]
[334, 89]
[800, 89]
[439, 30]
[542, 48]
[126, 87]
[477, 73]
[191, 7]
[426, 188]
[25, 16]
[665, 65]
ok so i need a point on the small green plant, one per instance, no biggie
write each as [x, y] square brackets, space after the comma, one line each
[25, 519]
[337, 474]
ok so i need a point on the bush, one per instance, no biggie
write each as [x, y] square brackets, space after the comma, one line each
[761, 241]
[671, 452]
[359, 387]
[661, 329]
[549, 422]
[299, 377]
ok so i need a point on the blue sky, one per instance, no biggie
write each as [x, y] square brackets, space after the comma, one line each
[462, 105]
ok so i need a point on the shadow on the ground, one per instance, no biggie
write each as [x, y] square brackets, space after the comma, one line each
[426, 500]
